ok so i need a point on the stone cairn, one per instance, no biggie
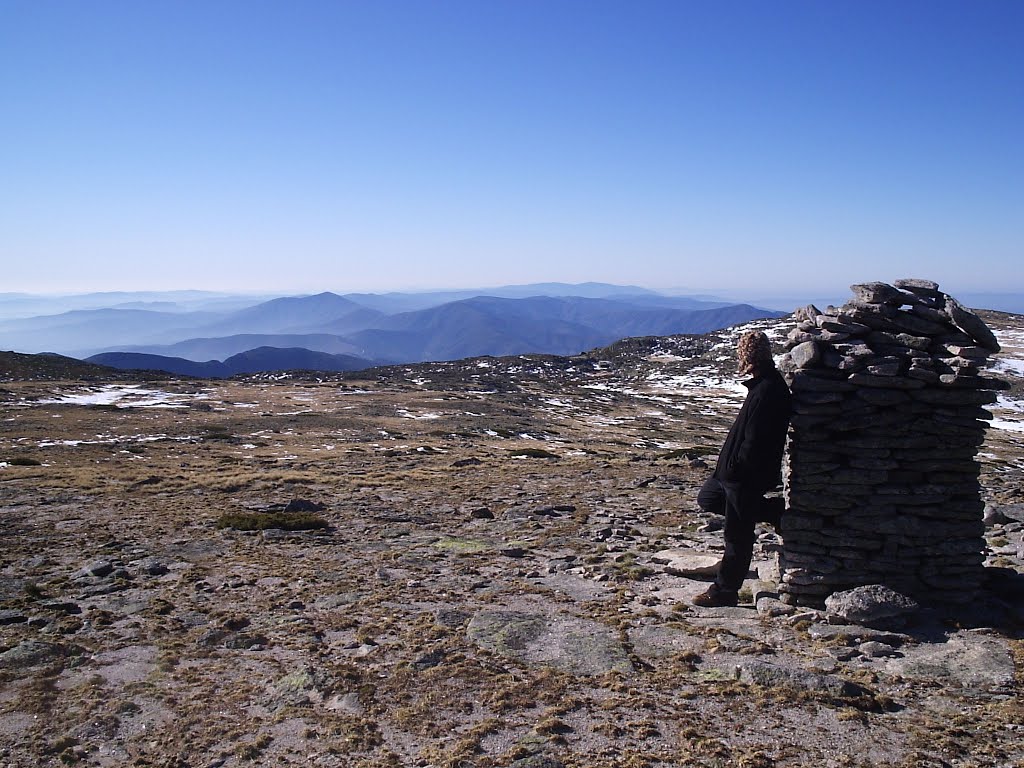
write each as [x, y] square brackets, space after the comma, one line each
[881, 476]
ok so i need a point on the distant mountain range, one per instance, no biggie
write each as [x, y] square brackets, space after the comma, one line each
[212, 335]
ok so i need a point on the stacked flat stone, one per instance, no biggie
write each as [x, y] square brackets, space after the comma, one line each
[882, 477]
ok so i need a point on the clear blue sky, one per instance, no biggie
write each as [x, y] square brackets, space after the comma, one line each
[293, 146]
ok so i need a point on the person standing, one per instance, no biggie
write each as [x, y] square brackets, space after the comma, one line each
[749, 465]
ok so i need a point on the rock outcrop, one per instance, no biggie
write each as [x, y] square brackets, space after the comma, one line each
[882, 480]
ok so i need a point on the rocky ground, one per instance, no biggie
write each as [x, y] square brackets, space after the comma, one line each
[504, 579]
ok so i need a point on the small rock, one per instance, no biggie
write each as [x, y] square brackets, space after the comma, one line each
[60, 606]
[12, 617]
[824, 665]
[98, 568]
[842, 653]
[854, 634]
[512, 552]
[347, 702]
[875, 650]
[105, 589]
[211, 637]
[775, 676]
[430, 659]
[153, 567]
[246, 642]
[811, 615]
[481, 513]
[770, 606]
[30, 653]
[304, 505]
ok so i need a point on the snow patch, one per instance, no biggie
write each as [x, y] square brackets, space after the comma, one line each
[1011, 365]
[403, 413]
[124, 397]
[1007, 426]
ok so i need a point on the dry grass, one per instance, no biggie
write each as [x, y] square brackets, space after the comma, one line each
[368, 617]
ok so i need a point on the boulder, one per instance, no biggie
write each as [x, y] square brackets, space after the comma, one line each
[874, 605]
[775, 676]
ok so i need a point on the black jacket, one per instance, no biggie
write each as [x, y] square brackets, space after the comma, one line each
[752, 453]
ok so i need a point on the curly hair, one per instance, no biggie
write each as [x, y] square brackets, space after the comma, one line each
[754, 351]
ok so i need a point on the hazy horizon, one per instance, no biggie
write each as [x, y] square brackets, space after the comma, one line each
[780, 300]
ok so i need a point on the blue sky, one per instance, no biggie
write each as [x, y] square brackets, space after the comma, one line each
[750, 147]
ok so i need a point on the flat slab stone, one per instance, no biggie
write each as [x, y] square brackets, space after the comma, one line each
[654, 642]
[576, 587]
[967, 659]
[853, 634]
[576, 645]
[687, 562]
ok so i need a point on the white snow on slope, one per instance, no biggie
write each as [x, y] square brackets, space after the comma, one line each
[124, 397]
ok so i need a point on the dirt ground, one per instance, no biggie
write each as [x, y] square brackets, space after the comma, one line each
[486, 591]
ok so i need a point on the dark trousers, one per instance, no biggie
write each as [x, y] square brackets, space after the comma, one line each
[743, 506]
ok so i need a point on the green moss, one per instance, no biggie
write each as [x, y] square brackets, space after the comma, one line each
[462, 546]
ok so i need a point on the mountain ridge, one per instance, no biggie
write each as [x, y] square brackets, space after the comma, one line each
[331, 324]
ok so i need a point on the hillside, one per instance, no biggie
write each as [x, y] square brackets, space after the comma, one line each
[15, 366]
[504, 578]
[220, 348]
[250, 361]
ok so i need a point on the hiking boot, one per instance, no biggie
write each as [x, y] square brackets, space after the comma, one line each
[716, 597]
